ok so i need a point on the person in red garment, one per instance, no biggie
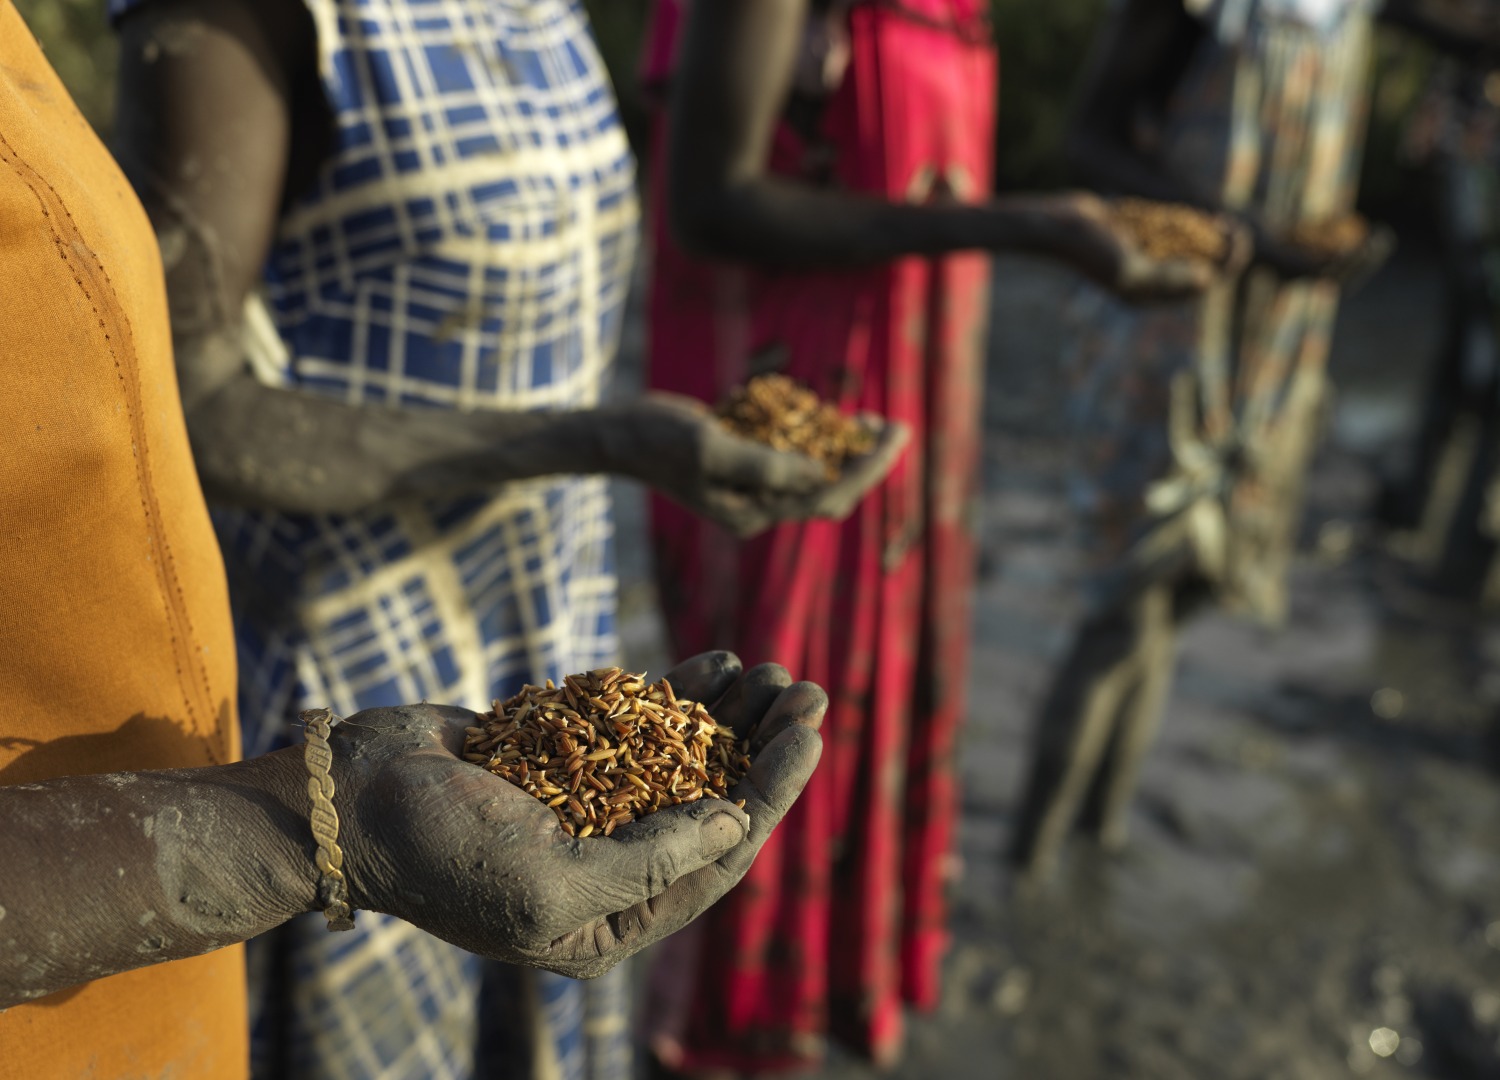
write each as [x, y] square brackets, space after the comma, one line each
[822, 208]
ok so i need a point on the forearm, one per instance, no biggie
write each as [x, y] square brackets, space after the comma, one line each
[103, 874]
[264, 447]
[777, 222]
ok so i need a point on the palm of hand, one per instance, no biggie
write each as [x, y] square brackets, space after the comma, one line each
[478, 862]
[745, 486]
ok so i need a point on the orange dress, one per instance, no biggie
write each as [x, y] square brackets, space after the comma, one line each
[115, 643]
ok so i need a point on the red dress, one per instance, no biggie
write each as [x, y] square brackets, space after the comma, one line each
[842, 917]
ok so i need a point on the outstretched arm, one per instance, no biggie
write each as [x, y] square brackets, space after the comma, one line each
[206, 132]
[108, 873]
[221, 118]
[732, 85]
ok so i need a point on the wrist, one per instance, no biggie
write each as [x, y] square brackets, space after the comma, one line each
[277, 871]
[608, 431]
[1029, 224]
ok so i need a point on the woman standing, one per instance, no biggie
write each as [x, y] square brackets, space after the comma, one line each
[1195, 424]
[822, 207]
[438, 202]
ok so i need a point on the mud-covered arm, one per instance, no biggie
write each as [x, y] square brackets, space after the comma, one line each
[1138, 59]
[108, 873]
[208, 96]
[103, 874]
[736, 71]
[221, 118]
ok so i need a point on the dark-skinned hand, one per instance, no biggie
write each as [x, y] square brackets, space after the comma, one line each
[1100, 248]
[1292, 261]
[478, 862]
[677, 446]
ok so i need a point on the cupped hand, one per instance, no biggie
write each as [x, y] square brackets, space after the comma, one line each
[1346, 267]
[837, 498]
[676, 445]
[1088, 237]
[480, 863]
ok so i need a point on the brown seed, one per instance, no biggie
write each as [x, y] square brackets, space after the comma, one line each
[605, 748]
[1172, 230]
[784, 414]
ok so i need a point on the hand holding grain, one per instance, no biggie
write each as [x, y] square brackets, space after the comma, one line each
[676, 445]
[1103, 246]
[478, 861]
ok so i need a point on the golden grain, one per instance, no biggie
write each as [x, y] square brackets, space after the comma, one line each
[786, 415]
[606, 747]
[1172, 230]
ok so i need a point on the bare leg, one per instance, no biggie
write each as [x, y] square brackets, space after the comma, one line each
[1076, 725]
[1154, 663]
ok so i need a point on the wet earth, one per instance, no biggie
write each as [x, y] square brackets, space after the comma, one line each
[1312, 884]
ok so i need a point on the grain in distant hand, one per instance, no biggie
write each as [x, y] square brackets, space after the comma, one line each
[1332, 238]
[786, 415]
[1171, 230]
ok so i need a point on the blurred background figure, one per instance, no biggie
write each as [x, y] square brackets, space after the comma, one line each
[802, 153]
[439, 204]
[1444, 499]
[1194, 425]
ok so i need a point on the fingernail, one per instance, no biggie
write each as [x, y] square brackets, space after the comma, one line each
[719, 834]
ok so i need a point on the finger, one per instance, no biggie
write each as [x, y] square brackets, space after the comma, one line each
[863, 473]
[780, 769]
[778, 776]
[646, 857]
[753, 467]
[705, 677]
[801, 703]
[751, 697]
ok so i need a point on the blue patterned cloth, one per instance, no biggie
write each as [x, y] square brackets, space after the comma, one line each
[468, 246]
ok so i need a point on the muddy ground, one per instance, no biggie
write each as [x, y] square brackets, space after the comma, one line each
[1312, 887]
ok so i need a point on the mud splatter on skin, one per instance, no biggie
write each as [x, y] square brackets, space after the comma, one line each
[164, 849]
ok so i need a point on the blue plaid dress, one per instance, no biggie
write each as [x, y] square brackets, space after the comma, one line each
[468, 246]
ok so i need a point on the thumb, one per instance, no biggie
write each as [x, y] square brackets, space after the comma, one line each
[643, 859]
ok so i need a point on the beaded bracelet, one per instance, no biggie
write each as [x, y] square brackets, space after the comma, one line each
[333, 890]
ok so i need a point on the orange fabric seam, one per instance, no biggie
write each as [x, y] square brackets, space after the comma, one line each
[170, 589]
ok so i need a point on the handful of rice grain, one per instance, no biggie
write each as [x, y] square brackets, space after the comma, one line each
[1331, 239]
[1172, 230]
[786, 415]
[606, 747]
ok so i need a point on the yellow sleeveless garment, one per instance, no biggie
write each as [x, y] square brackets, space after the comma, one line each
[116, 650]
